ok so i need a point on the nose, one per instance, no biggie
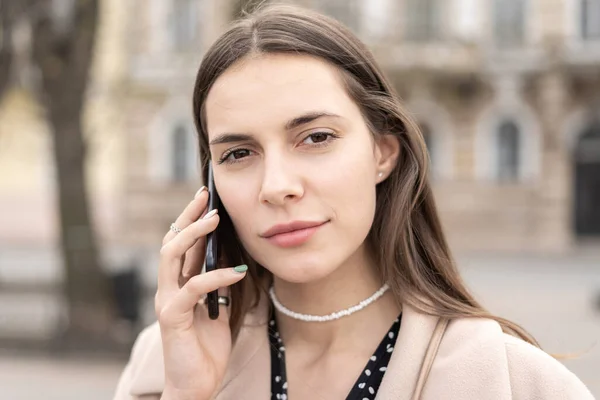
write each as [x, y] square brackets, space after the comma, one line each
[281, 182]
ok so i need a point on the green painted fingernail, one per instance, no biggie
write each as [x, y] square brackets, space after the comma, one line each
[241, 268]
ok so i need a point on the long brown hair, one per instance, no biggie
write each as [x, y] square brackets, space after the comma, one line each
[411, 251]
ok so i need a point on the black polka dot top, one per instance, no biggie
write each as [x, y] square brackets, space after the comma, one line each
[365, 388]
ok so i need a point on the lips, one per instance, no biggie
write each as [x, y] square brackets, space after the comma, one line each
[293, 234]
[291, 227]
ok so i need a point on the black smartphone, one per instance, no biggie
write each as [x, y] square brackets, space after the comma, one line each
[212, 247]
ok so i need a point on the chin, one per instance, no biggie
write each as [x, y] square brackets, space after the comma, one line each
[301, 269]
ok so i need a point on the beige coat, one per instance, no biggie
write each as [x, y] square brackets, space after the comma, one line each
[475, 361]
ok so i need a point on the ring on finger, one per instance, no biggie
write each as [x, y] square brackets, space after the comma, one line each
[174, 228]
[221, 300]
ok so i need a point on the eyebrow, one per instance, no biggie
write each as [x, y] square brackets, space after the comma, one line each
[291, 124]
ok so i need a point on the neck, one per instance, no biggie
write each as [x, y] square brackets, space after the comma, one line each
[350, 284]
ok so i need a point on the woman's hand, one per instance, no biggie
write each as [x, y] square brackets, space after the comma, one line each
[196, 349]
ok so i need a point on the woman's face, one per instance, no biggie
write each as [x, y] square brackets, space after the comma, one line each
[292, 153]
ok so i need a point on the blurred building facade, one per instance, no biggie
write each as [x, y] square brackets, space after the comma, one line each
[505, 91]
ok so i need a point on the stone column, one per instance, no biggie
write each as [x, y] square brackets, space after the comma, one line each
[555, 190]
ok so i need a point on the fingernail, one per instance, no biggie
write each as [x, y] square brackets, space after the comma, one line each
[241, 268]
[202, 189]
[210, 214]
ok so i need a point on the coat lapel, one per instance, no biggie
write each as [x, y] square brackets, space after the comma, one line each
[249, 366]
[250, 363]
[253, 374]
[147, 375]
[471, 361]
[402, 372]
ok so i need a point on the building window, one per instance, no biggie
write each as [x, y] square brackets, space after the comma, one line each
[508, 162]
[590, 19]
[509, 22]
[344, 11]
[422, 21]
[587, 182]
[180, 170]
[184, 23]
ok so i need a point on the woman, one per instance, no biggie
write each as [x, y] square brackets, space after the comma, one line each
[344, 287]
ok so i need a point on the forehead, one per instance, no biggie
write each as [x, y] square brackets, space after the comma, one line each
[269, 88]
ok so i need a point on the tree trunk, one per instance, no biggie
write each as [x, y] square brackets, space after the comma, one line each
[7, 16]
[64, 58]
[85, 285]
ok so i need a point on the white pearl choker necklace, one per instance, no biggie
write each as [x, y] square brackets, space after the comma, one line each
[324, 318]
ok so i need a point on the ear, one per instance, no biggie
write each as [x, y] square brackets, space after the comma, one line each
[387, 151]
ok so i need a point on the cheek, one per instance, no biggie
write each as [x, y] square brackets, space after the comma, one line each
[239, 206]
[350, 186]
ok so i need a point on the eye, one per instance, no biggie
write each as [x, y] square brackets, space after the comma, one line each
[319, 138]
[233, 156]
[241, 153]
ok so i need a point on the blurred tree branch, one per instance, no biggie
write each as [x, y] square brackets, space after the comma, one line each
[62, 43]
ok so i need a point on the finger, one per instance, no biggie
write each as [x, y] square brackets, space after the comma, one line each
[192, 212]
[197, 287]
[172, 253]
[224, 311]
[182, 280]
[194, 259]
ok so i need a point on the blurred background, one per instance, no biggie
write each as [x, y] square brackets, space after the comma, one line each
[98, 156]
